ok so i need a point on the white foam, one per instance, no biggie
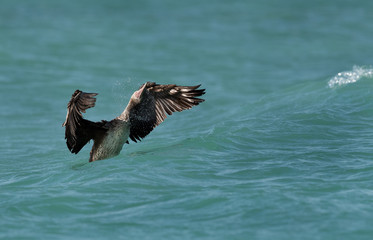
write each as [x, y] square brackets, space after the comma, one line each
[347, 77]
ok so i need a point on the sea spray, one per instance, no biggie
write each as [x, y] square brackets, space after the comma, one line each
[347, 77]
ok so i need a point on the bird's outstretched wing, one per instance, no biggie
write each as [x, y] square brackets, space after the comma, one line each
[78, 131]
[156, 102]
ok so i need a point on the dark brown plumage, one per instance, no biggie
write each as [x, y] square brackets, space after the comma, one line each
[158, 101]
[147, 108]
[79, 130]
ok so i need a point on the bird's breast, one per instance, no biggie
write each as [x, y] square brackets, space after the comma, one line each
[113, 141]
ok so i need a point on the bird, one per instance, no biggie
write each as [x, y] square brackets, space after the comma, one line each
[147, 108]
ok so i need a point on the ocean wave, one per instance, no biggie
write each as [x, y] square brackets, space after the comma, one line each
[347, 77]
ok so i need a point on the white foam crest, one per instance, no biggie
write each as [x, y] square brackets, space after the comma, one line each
[347, 77]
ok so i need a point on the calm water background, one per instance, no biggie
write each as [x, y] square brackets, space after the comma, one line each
[281, 149]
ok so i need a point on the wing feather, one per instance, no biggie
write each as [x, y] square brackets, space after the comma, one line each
[78, 131]
[158, 101]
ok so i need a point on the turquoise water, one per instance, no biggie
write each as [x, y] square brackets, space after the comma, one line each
[280, 149]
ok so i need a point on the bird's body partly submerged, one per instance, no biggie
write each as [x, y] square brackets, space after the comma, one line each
[147, 108]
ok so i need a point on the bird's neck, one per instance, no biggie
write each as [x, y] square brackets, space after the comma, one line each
[126, 113]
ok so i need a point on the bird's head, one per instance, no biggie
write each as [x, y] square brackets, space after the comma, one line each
[137, 95]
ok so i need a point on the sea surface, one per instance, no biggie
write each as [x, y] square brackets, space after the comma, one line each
[282, 148]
